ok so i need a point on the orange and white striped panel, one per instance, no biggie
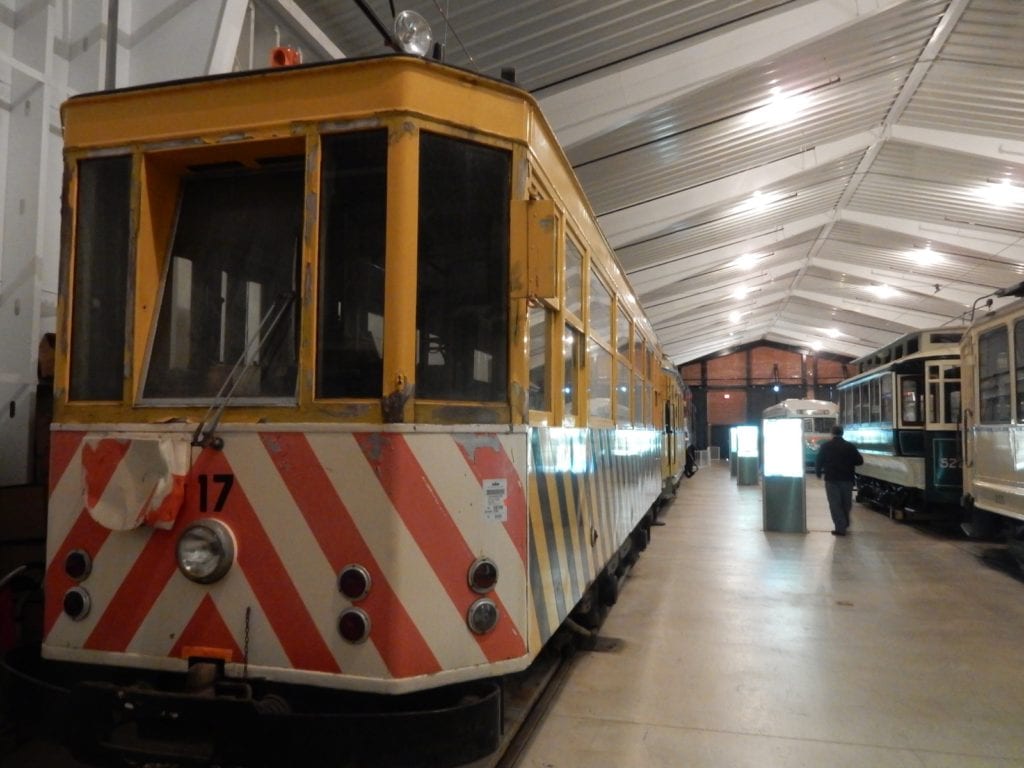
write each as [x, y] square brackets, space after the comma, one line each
[412, 508]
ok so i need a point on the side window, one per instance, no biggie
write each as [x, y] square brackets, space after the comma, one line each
[462, 276]
[573, 278]
[994, 376]
[572, 352]
[100, 279]
[885, 387]
[228, 314]
[623, 385]
[622, 331]
[1018, 357]
[599, 381]
[600, 310]
[910, 400]
[599, 356]
[540, 319]
[353, 210]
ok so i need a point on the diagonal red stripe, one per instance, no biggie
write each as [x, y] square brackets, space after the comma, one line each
[431, 525]
[85, 534]
[274, 588]
[398, 639]
[135, 596]
[207, 629]
[488, 460]
[63, 446]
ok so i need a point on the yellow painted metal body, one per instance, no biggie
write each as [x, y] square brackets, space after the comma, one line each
[591, 478]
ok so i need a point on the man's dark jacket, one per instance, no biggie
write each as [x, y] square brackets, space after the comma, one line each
[836, 459]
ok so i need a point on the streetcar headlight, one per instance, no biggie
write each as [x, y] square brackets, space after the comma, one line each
[206, 551]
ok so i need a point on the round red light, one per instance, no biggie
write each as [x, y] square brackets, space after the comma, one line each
[483, 575]
[354, 582]
[354, 625]
[78, 564]
[77, 603]
[482, 616]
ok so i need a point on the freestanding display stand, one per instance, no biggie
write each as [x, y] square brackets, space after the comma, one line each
[733, 440]
[746, 455]
[783, 486]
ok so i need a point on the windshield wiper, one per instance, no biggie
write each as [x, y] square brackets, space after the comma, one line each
[204, 434]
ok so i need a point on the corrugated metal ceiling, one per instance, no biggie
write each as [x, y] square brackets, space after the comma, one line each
[870, 221]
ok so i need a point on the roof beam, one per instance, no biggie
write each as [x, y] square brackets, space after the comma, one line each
[610, 99]
[1001, 245]
[652, 275]
[982, 146]
[641, 221]
[303, 25]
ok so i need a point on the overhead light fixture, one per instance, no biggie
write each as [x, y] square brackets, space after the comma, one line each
[748, 260]
[1001, 193]
[741, 292]
[833, 333]
[780, 108]
[734, 316]
[882, 291]
[925, 256]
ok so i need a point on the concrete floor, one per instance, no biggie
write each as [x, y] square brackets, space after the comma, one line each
[895, 646]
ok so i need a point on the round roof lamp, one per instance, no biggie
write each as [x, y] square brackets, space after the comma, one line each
[413, 33]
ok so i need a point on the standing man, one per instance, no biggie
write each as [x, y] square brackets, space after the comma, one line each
[836, 459]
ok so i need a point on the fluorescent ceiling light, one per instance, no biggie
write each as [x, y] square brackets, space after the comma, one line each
[925, 255]
[1001, 193]
[748, 260]
[882, 291]
[781, 108]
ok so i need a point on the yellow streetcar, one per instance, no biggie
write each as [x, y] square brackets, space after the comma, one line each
[351, 397]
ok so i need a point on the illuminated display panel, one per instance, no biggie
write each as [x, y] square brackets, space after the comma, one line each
[746, 441]
[783, 448]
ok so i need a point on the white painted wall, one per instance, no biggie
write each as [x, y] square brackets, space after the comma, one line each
[50, 50]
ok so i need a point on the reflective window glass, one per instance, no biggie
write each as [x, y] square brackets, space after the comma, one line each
[540, 396]
[599, 381]
[572, 350]
[600, 309]
[228, 317]
[1018, 356]
[994, 376]
[911, 395]
[462, 277]
[623, 385]
[573, 278]
[622, 328]
[353, 209]
[101, 279]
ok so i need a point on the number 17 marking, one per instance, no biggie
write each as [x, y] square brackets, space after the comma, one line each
[226, 483]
